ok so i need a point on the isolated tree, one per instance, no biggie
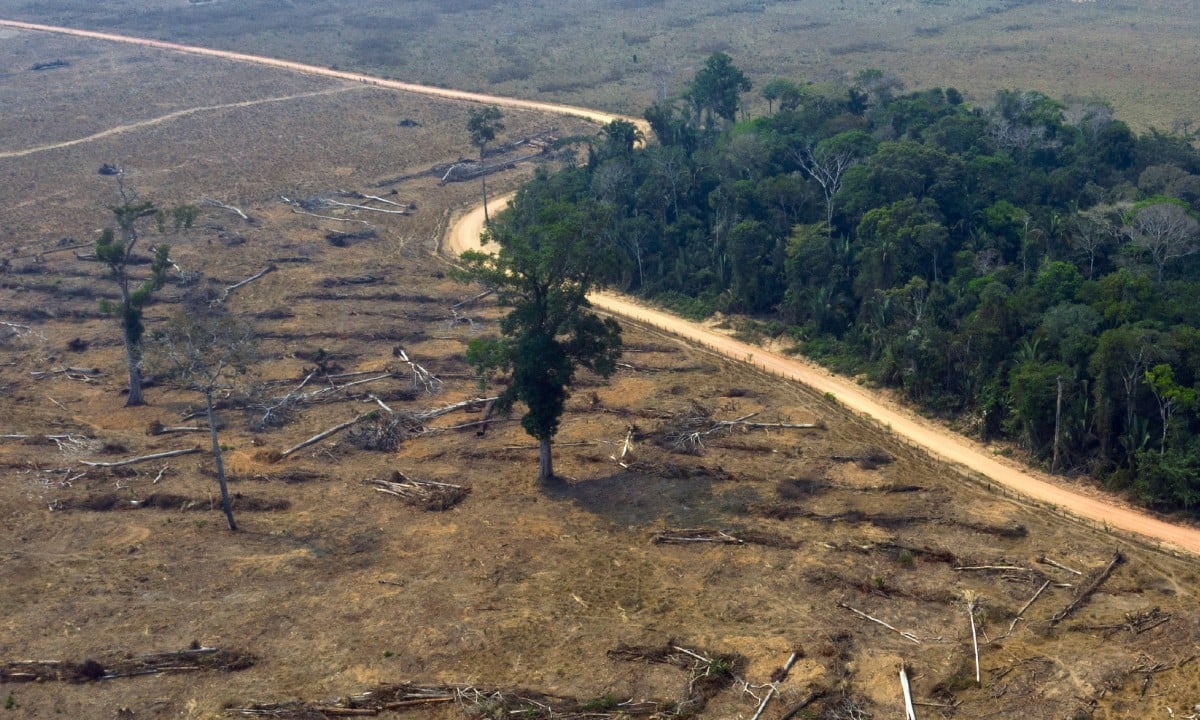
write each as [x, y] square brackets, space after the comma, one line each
[1166, 230]
[717, 88]
[203, 349]
[115, 248]
[484, 124]
[551, 253]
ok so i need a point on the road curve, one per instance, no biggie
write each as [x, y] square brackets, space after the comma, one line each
[553, 108]
[937, 440]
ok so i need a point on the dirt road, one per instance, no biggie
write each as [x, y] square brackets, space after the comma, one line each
[936, 439]
[554, 108]
[942, 443]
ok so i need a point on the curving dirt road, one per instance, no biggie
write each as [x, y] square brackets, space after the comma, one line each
[937, 440]
[553, 108]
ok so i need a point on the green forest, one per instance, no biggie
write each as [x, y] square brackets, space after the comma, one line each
[1027, 269]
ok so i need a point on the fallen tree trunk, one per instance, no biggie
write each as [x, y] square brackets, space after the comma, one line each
[143, 458]
[247, 281]
[324, 434]
[1088, 588]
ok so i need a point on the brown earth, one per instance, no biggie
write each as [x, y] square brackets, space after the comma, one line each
[519, 584]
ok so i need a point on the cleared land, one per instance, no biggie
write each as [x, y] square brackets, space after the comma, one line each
[334, 587]
[622, 54]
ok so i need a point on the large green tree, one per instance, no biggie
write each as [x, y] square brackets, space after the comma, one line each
[550, 254]
[115, 248]
[717, 88]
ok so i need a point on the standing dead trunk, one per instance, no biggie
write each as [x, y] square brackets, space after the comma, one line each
[136, 396]
[546, 461]
[1057, 425]
[483, 181]
[216, 450]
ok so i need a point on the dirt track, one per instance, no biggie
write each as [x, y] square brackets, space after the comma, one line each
[553, 108]
[937, 440]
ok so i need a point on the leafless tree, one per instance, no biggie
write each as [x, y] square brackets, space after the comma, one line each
[826, 165]
[1165, 230]
[204, 349]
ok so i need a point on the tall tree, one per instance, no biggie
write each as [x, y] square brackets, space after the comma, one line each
[717, 88]
[1166, 230]
[115, 248]
[203, 349]
[551, 253]
[484, 124]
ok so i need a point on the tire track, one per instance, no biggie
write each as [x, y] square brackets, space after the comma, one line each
[138, 125]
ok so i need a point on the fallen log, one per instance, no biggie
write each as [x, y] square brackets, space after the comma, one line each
[1086, 590]
[1025, 607]
[1047, 561]
[809, 699]
[773, 688]
[909, 712]
[143, 458]
[231, 208]
[247, 281]
[157, 428]
[675, 537]
[906, 635]
[325, 433]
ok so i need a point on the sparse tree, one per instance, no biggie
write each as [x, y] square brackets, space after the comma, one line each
[203, 348]
[551, 254]
[1166, 230]
[484, 124]
[115, 248]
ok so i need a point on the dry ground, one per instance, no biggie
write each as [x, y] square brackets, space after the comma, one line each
[519, 585]
[622, 54]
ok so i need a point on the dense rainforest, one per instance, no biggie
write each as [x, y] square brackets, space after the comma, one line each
[1028, 269]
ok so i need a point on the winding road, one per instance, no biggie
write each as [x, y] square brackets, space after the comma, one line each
[935, 439]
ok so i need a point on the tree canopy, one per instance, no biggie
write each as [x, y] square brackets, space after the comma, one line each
[1020, 265]
[552, 250]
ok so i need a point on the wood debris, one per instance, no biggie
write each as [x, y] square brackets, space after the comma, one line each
[687, 431]
[475, 701]
[425, 494]
[194, 659]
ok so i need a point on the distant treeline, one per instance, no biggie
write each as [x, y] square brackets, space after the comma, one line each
[1028, 269]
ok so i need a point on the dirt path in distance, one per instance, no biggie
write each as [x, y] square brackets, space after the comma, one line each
[483, 98]
[935, 439]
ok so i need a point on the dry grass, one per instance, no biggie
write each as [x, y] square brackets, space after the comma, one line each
[335, 588]
[622, 54]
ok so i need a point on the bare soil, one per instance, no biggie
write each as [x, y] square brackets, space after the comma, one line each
[333, 587]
